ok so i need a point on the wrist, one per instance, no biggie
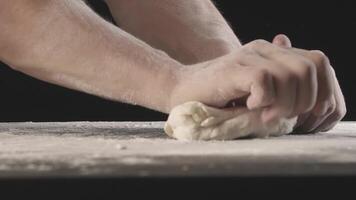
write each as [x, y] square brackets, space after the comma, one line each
[171, 77]
[185, 83]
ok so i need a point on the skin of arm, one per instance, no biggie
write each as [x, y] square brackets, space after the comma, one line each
[66, 43]
[194, 31]
[190, 31]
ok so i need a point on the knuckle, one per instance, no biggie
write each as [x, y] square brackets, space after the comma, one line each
[262, 76]
[331, 109]
[307, 85]
[320, 58]
[246, 50]
[327, 97]
[264, 81]
[261, 41]
[258, 43]
[343, 112]
[307, 69]
[317, 52]
[339, 113]
[332, 70]
[291, 78]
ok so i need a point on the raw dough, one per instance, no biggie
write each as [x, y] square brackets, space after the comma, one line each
[196, 121]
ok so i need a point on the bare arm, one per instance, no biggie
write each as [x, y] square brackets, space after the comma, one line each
[190, 31]
[66, 43]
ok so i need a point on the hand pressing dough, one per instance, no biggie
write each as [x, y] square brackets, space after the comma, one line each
[196, 121]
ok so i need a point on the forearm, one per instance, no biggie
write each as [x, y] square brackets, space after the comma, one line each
[190, 31]
[65, 43]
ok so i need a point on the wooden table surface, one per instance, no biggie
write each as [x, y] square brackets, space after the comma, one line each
[141, 149]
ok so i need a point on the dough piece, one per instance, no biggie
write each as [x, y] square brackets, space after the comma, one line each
[196, 121]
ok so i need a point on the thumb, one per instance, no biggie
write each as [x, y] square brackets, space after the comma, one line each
[282, 41]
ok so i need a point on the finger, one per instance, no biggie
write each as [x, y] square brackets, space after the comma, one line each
[324, 78]
[303, 127]
[339, 111]
[300, 121]
[311, 124]
[257, 83]
[262, 88]
[300, 76]
[282, 41]
[329, 126]
[284, 91]
[327, 123]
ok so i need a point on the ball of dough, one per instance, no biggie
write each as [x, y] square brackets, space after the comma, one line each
[196, 121]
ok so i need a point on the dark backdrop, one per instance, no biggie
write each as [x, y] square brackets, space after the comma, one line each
[319, 25]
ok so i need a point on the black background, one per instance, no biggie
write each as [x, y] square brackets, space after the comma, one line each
[328, 26]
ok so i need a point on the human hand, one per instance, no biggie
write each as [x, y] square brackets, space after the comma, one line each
[330, 107]
[282, 81]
